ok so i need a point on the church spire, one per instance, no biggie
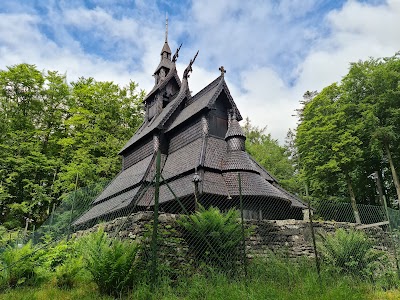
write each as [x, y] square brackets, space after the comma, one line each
[166, 27]
[166, 64]
[166, 50]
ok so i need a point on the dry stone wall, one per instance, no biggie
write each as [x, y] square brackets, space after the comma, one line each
[290, 237]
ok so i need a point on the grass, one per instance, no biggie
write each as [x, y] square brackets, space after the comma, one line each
[272, 279]
[217, 287]
[47, 292]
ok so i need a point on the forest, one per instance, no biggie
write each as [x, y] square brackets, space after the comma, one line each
[56, 135]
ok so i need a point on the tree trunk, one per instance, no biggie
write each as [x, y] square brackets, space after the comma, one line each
[394, 174]
[353, 200]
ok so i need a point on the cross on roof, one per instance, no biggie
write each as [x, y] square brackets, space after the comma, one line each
[222, 69]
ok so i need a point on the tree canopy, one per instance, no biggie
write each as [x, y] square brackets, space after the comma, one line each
[53, 133]
[351, 129]
[276, 159]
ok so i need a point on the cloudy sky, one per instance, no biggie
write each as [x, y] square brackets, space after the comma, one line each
[273, 50]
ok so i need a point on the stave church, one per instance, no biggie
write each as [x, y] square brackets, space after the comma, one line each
[202, 151]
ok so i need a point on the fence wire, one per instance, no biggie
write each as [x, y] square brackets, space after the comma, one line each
[185, 224]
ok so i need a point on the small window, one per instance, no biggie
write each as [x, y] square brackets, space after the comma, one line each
[218, 126]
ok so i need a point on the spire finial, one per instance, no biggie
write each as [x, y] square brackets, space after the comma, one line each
[166, 27]
[189, 67]
[176, 55]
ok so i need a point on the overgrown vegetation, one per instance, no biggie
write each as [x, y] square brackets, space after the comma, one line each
[273, 278]
[111, 263]
[18, 266]
[350, 252]
[214, 237]
[97, 267]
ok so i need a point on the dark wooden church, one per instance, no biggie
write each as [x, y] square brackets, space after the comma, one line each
[201, 143]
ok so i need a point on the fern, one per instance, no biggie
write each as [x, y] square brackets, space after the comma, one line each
[350, 252]
[66, 273]
[111, 263]
[214, 237]
[17, 266]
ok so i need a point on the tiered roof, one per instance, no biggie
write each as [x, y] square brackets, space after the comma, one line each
[182, 132]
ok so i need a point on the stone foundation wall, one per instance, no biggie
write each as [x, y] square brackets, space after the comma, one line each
[290, 237]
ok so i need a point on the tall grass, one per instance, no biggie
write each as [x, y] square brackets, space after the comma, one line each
[272, 278]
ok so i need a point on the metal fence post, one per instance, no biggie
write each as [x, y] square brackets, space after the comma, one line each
[317, 262]
[383, 199]
[72, 208]
[243, 235]
[155, 221]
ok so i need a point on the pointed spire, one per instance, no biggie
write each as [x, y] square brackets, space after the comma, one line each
[166, 27]
[166, 47]
[234, 129]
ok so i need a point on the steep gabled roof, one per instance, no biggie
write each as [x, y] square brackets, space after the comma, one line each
[126, 179]
[205, 99]
[171, 74]
[105, 208]
[159, 121]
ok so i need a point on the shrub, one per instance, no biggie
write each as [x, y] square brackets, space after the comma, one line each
[67, 272]
[110, 262]
[214, 237]
[17, 266]
[56, 254]
[350, 252]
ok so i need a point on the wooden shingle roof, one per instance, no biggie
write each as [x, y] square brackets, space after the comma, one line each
[181, 130]
[158, 121]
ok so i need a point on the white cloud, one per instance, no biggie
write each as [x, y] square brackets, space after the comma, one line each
[249, 42]
[357, 31]
[21, 40]
[267, 102]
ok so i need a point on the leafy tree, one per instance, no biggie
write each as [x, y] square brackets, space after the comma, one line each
[350, 130]
[273, 157]
[328, 144]
[100, 118]
[51, 132]
[25, 167]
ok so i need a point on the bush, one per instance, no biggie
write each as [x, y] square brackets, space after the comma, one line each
[214, 237]
[110, 262]
[350, 252]
[56, 254]
[67, 272]
[17, 266]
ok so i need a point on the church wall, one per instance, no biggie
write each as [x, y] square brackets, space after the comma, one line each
[138, 153]
[185, 135]
[218, 118]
